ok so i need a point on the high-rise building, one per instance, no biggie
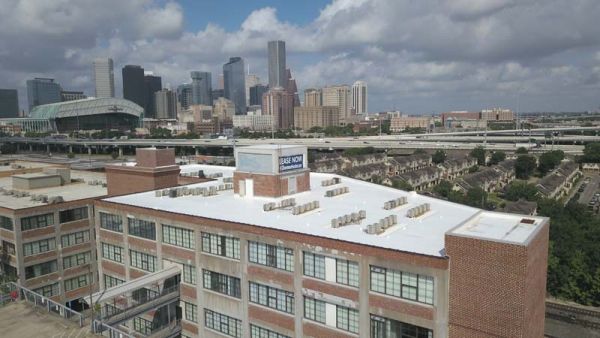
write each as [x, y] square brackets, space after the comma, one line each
[152, 84]
[42, 91]
[313, 97]
[251, 81]
[184, 95]
[277, 70]
[306, 118]
[133, 84]
[223, 109]
[359, 97]
[70, 95]
[104, 77]
[338, 96]
[201, 88]
[256, 93]
[217, 93]
[166, 104]
[9, 103]
[235, 83]
[291, 87]
[279, 103]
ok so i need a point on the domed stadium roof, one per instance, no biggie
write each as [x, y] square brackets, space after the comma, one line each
[85, 107]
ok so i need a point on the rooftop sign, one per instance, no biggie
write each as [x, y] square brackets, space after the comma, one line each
[292, 162]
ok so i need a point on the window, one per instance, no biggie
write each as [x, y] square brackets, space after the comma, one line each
[346, 319]
[314, 310]
[8, 247]
[112, 252]
[41, 269]
[37, 247]
[110, 281]
[142, 326]
[221, 245]
[73, 214]
[38, 221]
[75, 238]
[402, 284]
[261, 332]
[142, 261]
[77, 259]
[221, 283]
[111, 222]
[48, 290]
[272, 297]
[346, 272]
[271, 255]
[222, 323]
[191, 312]
[76, 283]
[141, 228]
[178, 236]
[314, 265]
[189, 274]
[383, 327]
[6, 223]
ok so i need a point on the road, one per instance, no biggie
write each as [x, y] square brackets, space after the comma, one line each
[384, 142]
[591, 188]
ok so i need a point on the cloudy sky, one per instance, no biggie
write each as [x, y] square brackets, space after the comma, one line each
[417, 56]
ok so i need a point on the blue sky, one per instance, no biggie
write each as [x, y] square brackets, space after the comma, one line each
[415, 56]
[231, 13]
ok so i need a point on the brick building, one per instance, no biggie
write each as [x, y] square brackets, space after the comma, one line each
[269, 249]
[47, 231]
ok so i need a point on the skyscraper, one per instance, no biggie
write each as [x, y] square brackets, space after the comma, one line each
[359, 97]
[235, 83]
[313, 97]
[279, 103]
[251, 81]
[201, 88]
[291, 87]
[152, 84]
[104, 77]
[184, 95]
[277, 70]
[166, 104]
[42, 91]
[9, 103]
[338, 96]
[256, 93]
[133, 84]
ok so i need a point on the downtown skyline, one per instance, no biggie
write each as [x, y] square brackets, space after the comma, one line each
[479, 56]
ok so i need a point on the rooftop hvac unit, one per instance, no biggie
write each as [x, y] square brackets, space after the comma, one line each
[418, 210]
[165, 192]
[201, 174]
[173, 193]
[391, 204]
[228, 180]
[158, 193]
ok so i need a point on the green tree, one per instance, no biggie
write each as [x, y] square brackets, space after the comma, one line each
[473, 169]
[419, 151]
[114, 155]
[521, 151]
[521, 189]
[160, 133]
[439, 156]
[402, 185]
[456, 197]
[524, 166]
[549, 160]
[443, 188]
[476, 197]
[591, 153]
[70, 155]
[497, 157]
[479, 154]
[359, 151]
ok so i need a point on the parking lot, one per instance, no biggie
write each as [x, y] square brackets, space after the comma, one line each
[589, 192]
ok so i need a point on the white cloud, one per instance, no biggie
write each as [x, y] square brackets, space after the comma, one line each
[421, 55]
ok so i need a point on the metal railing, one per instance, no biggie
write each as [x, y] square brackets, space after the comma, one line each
[108, 331]
[17, 291]
[124, 304]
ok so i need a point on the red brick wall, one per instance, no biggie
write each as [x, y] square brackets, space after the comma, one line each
[271, 185]
[331, 289]
[126, 180]
[268, 275]
[152, 157]
[492, 293]
[270, 316]
[318, 331]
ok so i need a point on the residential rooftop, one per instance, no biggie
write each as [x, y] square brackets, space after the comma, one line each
[422, 235]
[79, 188]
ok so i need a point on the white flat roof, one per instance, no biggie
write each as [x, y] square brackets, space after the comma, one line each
[422, 235]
